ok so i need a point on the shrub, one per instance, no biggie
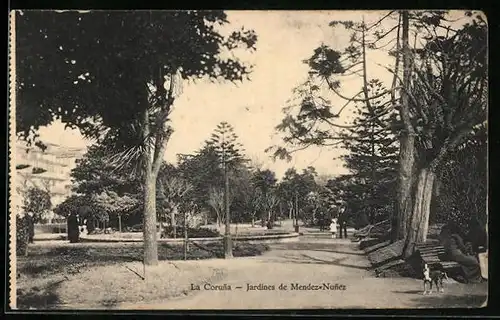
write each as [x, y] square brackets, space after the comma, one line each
[168, 232]
[22, 235]
[138, 228]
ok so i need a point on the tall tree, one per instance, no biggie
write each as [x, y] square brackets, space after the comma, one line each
[118, 74]
[447, 98]
[175, 190]
[424, 91]
[229, 152]
[373, 154]
[294, 187]
[203, 171]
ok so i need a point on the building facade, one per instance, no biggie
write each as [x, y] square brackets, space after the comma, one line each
[47, 169]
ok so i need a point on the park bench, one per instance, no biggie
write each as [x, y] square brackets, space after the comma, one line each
[378, 229]
[433, 254]
[363, 232]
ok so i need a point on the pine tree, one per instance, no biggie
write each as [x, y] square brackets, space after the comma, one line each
[229, 153]
[373, 155]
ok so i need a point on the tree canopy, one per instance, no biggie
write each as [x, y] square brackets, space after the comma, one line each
[92, 69]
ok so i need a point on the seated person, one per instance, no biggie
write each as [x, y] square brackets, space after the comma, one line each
[452, 239]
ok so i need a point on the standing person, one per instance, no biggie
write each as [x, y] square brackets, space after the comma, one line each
[343, 221]
[333, 228]
[73, 230]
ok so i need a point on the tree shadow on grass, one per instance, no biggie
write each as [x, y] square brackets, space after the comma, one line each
[409, 291]
[39, 298]
[74, 259]
[314, 246]
[306, 259]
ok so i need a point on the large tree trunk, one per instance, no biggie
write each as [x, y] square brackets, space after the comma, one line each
[418, 221]
[404, 203]
[407, 144]
[149, 229]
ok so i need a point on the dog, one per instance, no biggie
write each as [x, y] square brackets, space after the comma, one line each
[435, 277]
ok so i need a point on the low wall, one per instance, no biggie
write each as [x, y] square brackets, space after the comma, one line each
[50, 228]
[286, 237]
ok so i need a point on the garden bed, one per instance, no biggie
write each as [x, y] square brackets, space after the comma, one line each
[136, 237]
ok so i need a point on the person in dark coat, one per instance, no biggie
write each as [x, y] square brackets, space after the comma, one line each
[73, 230]
[452, 240]
[342, 220]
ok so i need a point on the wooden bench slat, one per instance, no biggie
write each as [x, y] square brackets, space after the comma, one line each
[431, 252]
[430, 249]
[451, 266]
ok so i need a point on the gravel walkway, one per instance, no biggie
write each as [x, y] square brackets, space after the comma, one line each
[335, 266]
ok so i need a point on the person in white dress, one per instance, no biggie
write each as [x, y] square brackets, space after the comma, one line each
[333, 227]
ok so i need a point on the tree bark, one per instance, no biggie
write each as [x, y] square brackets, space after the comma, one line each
[227, 237]
[418, 221]
[407, 145]
[150, 174]
[149, 229]
[406, 165]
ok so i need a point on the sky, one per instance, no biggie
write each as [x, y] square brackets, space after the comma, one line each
[254, 108]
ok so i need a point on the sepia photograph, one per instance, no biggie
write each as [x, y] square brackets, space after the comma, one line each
[235, 160]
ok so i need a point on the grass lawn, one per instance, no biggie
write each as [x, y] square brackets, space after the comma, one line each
[102, 275]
